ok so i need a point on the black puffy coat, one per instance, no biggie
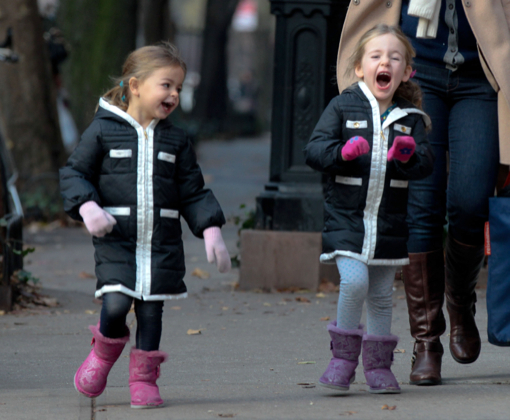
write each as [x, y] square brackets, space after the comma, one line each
[366, 198]
[146, 179]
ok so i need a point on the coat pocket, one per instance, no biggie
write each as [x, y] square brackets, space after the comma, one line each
[123, 217]
[169, 226]
[347, 191]
[397, 196]
[165, 163]
[121, 160]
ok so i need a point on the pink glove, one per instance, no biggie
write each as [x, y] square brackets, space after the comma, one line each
[402, 149]
[216, 250]
[356, 146]
[97, 221]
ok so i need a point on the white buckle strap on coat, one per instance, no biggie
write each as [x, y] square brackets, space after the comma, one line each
[172, 214]
[116, 153]
[397, 183]
[118, 211]
[167, 157]
[347, 180]
[356, 124]
[402, 129]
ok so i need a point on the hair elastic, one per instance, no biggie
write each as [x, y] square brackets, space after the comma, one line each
[121, 83]
[123, 98]
[410, 76]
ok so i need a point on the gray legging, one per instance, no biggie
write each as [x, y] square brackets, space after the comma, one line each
[149, 315]
[360, 282]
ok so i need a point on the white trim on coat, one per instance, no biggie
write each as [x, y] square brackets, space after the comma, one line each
[145, 200]
[330, 257]
[376, 179]
[167, 157]
[111, 288]
[118, 211]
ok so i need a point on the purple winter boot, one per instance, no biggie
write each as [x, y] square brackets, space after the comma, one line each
[90, 378]
[144, 368]
[346, 347]
[377, 358]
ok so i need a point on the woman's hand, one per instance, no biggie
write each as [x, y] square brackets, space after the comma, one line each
[97, 221]
[403, 148]
[216, 250]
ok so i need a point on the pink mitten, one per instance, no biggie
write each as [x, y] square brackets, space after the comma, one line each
[216, 250]
[402, 149]
[356, 146]
[97, 221]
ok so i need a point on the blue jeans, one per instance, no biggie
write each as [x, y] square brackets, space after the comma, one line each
[464, 138]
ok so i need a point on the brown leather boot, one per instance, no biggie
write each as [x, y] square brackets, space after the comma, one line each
[463, 263]
[424, 286]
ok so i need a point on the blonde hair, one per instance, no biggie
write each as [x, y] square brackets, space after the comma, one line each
[407, 90]
[140, 64]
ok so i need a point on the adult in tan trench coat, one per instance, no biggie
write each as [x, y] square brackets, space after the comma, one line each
[424, 277]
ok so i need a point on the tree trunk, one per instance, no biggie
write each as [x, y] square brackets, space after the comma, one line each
[28, 99]
[101, 35]
[157, 22]
[212, 95]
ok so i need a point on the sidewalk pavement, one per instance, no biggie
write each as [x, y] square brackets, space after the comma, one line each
[245, 363]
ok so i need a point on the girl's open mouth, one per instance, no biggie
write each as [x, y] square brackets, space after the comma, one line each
[383, 79]
[167, 106]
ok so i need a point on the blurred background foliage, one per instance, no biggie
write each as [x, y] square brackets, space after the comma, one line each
[70, 49]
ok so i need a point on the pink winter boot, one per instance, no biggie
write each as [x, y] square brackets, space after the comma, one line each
[90, 378]
[377, 359]
[143, 372]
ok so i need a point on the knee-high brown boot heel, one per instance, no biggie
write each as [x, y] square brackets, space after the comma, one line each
[463, 263]
[424, 283]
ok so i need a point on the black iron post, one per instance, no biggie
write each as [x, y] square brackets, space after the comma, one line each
[307, 37]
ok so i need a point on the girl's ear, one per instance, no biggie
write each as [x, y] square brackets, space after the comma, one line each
[407, 73]
[358, 71]
[133, 86]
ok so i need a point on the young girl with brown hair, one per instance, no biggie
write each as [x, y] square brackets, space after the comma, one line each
[130, 179]
[370, 141]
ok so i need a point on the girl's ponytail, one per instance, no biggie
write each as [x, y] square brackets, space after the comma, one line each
[118, 94]
[411, 92]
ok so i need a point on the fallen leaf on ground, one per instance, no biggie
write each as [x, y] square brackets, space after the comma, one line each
[307, 363]
[175, 308]
[401, 297]
[225, 308]
[399, 351]
[266, 304]
[388, 407]
[303, 299]
[85, 275]
[47, 301]
[228, 415]
[2, 313]
[325, 318]
[90, 312]
[194, 332]
[201, 274]
[328, 287]
[348, 413]
[320, 295]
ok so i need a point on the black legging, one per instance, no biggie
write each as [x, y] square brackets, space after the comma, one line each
[149, 315]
